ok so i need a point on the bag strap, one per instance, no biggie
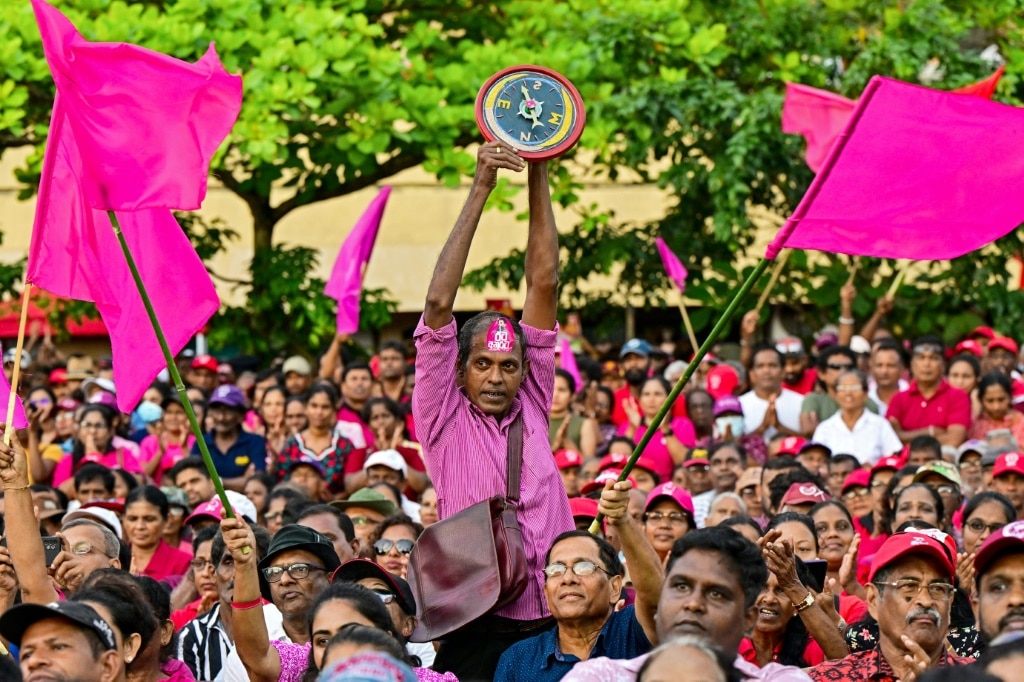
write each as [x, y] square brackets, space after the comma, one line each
[515, 458]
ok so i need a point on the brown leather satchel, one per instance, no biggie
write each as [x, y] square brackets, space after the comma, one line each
[472, 563]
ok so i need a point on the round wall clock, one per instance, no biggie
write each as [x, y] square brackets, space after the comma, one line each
[534, 110]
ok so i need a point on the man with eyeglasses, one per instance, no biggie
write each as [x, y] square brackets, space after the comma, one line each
[583, 585]
[910, 593]
[998, 597]
[87, 547]
[822, 403]
[367, 509]
[968, 461]
[930, 407]
[943, 478]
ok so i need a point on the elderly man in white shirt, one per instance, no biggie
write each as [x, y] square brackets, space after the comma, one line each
[854, 429]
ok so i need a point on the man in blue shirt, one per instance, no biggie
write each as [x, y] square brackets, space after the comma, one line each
[237, 454]
[583, 588]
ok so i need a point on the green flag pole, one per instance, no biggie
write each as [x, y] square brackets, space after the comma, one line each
[179, 385]
[730, 311]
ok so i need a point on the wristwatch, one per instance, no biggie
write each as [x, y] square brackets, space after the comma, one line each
[668, 432]
[807, 602]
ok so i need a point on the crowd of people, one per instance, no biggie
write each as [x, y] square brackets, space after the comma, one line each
[850, 509]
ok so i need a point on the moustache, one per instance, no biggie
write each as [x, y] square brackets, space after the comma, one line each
[932, 613]
[1011, 614]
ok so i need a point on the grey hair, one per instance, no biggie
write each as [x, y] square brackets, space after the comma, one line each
[729, 496]
[692, 641]
[111, 545]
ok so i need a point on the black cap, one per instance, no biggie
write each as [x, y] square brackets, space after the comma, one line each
[16, 620]
[295, 537]
[355, 570]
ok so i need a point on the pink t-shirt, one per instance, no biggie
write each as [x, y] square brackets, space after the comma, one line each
[118, 459]
[150, 447]
[657, 450]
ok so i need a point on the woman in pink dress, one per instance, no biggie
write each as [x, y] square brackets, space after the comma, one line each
[171, 444]
[95, 443]
[676, 436]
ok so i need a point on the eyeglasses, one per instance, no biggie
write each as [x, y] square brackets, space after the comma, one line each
[82, 548]
[879, 486]
[699, 467]
[945, 489]
[385, 596]
[855, 493]
[363, 521]
[979, 526]
[975, 464]
[296, 571]
[790, 348]
[749, 491]
[95, 426]
[581, 568]
[175, 511]
[910, 588]
[273, 516]
[838, 367]
[200, 564]
[854, 388]
[383, 546]
[672, 517]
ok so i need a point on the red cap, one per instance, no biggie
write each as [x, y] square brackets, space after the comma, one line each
[696, 461]
[58, 376]
[205, 362]
[893, 462]
[602, 478]
[722, 381]
[566, 459]
[1009, 462]
[791, 445]
[672, 491]
[858, 478]
[583, 506]
[929, 543]
[969, 346]
[1004, 342]
[615, 460]
[987, 332]
[803, 493]
[114, 505]
[1009, 537]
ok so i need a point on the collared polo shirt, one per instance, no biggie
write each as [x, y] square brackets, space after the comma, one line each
[947, 407]
[248, 449]
[538, 659]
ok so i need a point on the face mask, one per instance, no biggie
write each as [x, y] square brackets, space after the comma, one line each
[736, 424]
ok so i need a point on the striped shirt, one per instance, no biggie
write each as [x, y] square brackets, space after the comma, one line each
[466, 451]
[204, 646]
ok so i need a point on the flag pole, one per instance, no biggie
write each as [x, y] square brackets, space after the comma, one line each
[853, 269]
[781, 263]
[899, 279]
[179, 385]
[719, 327]
[688, 324]
[16, 373]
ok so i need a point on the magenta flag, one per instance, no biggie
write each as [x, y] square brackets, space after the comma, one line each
[346, 281]
[917, 173]
[147, 124]
[20, 421]
[567, 362]
[820, 116]
[673, 266]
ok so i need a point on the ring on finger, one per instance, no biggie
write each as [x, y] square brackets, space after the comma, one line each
[497, 150]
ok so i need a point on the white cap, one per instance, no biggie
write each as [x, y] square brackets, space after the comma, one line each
[242, 505]
[101, 383]
[860, 345]
[104, 517]
[391, 459]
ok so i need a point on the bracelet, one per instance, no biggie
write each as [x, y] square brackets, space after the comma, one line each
[846, 320]
[20, 487]
[247, 605]
[807, 602]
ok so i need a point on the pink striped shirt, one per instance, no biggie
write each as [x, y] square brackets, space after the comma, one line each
[466, 451]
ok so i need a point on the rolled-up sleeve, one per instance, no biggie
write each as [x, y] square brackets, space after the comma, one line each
[539, 384]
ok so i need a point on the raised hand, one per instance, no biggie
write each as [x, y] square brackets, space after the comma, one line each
[490, 158]
[13, 463]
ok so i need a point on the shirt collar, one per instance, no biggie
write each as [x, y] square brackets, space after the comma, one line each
[943, 385]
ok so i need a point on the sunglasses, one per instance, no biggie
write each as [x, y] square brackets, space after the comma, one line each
[838, 366]
[855, 493]
[383, 546]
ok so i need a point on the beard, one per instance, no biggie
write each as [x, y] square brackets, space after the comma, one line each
[635, 377]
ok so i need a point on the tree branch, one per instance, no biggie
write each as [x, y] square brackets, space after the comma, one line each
[254, 201]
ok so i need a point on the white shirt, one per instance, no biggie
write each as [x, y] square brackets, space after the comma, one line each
[624, 670]
[787, 407]
[870, 439]
[701, 507]
[873, 393]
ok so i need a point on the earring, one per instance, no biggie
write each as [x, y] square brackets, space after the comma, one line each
[129, 659]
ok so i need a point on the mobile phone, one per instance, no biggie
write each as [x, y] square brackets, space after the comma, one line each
[51, 547]
[818, 569]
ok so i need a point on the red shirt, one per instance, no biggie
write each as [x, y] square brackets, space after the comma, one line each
[871, 665]
[806, 383]
[618, 411]
[813, 655]
[167, 563]
[947, 407]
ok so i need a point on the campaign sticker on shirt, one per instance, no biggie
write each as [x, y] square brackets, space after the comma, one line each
[241, 461]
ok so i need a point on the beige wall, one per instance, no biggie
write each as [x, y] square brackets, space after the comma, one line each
[419, 215]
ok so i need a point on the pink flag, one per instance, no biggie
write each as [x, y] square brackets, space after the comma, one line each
[346, 280]
[147, 124]
[567, 362]
[20, 420]
[820, 116]
[74, 251]
[673, 267]
[918, 173]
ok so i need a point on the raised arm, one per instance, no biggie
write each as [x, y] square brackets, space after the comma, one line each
[23, 539]
[451, 264]
[541, 305]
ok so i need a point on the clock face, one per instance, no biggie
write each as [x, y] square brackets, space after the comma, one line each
[534, 110]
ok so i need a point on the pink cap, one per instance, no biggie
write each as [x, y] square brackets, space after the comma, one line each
[893, 462]
[1010, 536]
[1009, 462]
[791, 445]
[583, 506]
[969, 346]
[602, 478]
[1004, 342]
[205, 362]
[930, 543]
[670, 490]
[566, 459]
[858, 478]
[803, 493]
[722, 381]
[618, 461]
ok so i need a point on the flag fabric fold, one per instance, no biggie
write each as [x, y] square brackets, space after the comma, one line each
[346, 281]
[157, 158]
[819, 116]
[19, 420]
[567, 362]
[918, 173]
[674, 268]
[147, 124]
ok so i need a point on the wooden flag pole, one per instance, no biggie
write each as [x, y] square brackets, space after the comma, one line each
[779, 264]
[899, 279]
[853, 270]
[688, 324]
[16, 373]
[179, 385]
[716, 331]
